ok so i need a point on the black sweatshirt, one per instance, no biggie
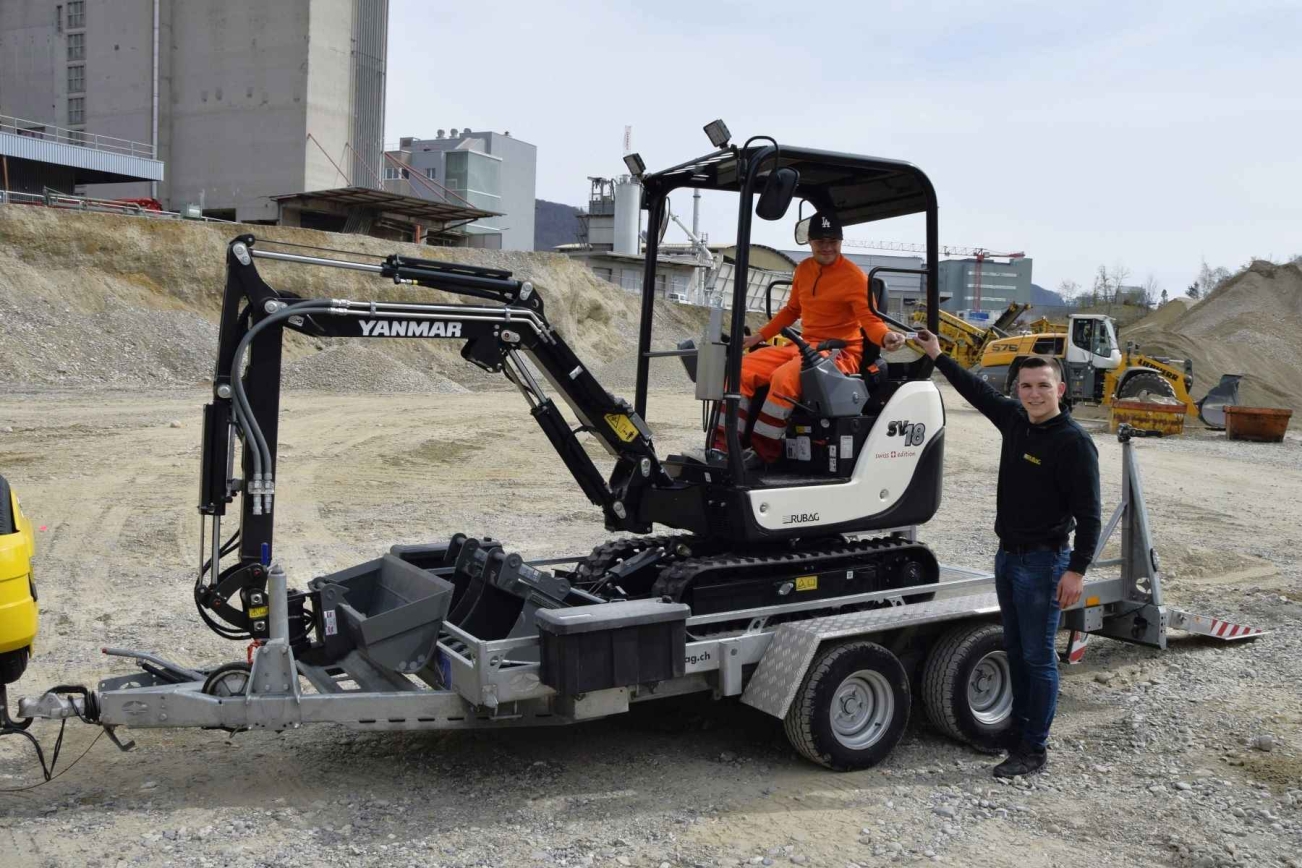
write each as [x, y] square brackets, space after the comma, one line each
[1048, 473]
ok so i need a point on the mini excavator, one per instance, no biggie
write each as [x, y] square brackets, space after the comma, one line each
[864, 452]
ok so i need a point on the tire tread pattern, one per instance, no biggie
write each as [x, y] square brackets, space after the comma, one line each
[943, 666]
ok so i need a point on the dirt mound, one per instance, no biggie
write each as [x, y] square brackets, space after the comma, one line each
[99, 300]
[1164, 315]
[1251, 325]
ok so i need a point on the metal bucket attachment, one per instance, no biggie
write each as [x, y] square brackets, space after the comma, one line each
[391, 611]
[1211, 408]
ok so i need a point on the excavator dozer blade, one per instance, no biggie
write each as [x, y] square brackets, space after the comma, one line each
[1211, 407]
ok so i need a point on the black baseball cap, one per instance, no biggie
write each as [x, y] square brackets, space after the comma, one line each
[823, 225]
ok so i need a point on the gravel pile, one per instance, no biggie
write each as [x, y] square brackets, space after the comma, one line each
[354, 368]
[105, 301]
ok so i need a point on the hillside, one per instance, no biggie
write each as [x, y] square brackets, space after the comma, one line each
[104, 301]
[554, 224]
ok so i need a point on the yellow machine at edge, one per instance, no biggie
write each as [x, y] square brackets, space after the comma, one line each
[18, 615]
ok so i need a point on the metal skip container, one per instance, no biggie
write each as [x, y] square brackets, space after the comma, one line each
[1264, 424]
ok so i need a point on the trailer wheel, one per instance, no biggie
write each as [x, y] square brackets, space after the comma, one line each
[967, 687]
[230, 679]
[852, 708]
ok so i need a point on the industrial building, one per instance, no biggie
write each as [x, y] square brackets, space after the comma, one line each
[485, 170]
[242, 100]
[611, 236]
[976, 288]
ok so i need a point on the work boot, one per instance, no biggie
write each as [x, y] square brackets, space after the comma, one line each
[1022, 761]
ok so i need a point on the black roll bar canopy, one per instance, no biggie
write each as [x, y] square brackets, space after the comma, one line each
[857, 189]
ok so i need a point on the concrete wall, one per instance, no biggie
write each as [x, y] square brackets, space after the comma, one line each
[33, 59]
[368, 63]
[242, 83]
[519, 189]
[119, 79]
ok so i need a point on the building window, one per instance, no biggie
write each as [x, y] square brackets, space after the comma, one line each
[391, 173]
[76, 14]
[76, 79]
[431, 173]
[76, 46]
[76, 110]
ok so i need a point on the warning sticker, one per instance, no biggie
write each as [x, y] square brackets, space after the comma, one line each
[803, 451]
[847, 446]
[258, 612]
[806, 583]
[622, 426]
[331, 622]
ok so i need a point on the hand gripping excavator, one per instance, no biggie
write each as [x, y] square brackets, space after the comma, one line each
[864, 455]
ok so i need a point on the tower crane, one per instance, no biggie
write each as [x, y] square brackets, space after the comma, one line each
[981, 254]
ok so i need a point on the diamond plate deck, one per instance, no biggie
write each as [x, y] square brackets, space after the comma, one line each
[782, 668]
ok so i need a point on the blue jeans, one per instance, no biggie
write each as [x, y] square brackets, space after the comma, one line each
[1027, 585]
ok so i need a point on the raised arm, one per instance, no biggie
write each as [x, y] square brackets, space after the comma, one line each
[994, 406]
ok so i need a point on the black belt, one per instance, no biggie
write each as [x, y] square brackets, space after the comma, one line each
[1027, 548]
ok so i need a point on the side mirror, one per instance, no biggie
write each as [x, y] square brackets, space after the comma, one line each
[664, 222]
[779, 190]
[802, 231]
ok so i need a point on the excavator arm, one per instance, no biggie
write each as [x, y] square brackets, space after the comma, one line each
[507, 332]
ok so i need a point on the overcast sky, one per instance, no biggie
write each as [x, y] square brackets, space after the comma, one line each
[1151, 134]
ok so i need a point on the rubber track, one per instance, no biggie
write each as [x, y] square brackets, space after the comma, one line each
[940, 671]
[678, 578]
[591, 568]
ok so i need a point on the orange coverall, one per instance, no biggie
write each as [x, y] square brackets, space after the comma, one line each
[832, 302]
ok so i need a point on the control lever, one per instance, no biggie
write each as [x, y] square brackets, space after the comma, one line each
[808, 355]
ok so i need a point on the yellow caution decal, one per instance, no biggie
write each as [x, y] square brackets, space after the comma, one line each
[622, 426]
[258, 612]
[806, 583]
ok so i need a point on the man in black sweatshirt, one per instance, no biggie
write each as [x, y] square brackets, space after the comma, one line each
[1048, 485]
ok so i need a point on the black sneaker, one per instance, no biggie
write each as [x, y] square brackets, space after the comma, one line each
[1021, 762]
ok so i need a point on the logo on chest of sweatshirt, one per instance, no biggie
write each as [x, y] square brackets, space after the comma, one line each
[1031, 458]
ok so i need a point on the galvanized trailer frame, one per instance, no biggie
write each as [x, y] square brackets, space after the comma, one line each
[762, 655]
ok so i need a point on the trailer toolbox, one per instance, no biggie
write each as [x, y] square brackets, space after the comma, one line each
[586, 648]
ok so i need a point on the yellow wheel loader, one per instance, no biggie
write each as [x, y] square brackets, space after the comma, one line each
[1098, 371]
[18, 618]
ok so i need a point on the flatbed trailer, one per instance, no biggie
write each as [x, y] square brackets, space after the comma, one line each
[842, 673]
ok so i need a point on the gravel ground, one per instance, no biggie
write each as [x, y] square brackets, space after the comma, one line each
[1192, 757]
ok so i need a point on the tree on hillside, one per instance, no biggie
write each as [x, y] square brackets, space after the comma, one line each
[1149, 291]
[1209, 278]
[1069, 290]
[1120, 274]
[1194, 291]
[1164, 298]
[1101, 291]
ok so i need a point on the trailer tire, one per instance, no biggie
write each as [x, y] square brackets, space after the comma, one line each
[967, 687]
[852, 707]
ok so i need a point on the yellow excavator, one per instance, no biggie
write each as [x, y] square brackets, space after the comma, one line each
[966, 341]
[18, 618]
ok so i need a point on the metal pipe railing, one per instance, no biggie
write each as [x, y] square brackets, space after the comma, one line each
[79, 138]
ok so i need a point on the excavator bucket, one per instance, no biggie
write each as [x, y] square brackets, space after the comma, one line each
[1211, 407]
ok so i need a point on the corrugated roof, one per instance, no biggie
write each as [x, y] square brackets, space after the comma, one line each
[394, 203]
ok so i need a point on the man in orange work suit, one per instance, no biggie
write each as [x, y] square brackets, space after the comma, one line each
[829, 294]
